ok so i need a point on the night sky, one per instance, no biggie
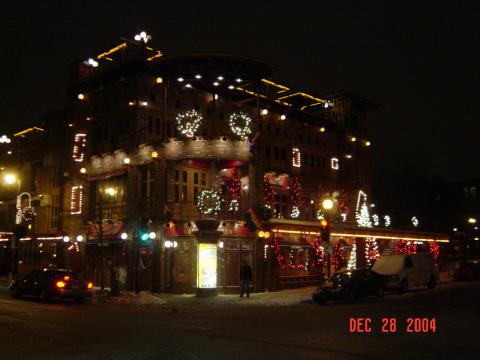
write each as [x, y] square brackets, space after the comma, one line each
[419, 60]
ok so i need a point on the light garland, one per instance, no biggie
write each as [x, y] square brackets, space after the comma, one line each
[388, 220]
[415, 221]
[434, 248]
[79, 145]
[371, 250]
[320, 215]
[208, 202]
[334, 163]
[188, 122]
[296, 157]
[376, 220]
[352, 262]
[234, 206]
[76, 200]
[295, 212]
[244, 128]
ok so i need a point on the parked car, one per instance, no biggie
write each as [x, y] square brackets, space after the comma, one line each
[467, 272]
[52, 283]
[405, 271]
[349, 285]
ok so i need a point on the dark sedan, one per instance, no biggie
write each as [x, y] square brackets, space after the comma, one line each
[349, 285]
[52, 283]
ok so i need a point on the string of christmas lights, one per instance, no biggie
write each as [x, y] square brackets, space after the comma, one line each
[434, 248]
[240, 124]
[188, 122]
[268, 194]
[208, 202]
[296, 198]
[352, 262]
[338, 258]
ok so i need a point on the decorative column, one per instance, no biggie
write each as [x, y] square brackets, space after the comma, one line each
[207, 238]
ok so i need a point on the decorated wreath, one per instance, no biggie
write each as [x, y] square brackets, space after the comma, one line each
[240, 124]
[208, 202]
[188, 122]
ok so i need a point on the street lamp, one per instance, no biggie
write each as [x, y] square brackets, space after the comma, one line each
[328, 207]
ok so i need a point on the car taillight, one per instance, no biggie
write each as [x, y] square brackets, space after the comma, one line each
[60, 284]
[90, 285]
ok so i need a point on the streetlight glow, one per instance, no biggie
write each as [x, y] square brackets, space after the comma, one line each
[10, 179]
[327, 204]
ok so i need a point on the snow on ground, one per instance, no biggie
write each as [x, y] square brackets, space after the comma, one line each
[277, 298]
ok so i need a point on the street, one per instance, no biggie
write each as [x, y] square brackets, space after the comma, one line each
[183, 327]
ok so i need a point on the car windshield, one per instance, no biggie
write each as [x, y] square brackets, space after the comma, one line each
[339, 278]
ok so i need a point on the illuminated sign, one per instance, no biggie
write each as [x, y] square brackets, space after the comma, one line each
[207, 266]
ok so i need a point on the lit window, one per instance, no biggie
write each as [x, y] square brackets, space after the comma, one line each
[334, 163]
[76, 200]
[296, 157]
[79, 147]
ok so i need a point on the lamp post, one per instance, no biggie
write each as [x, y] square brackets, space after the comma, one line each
[328, 208]
[19, 230]
[264, 235]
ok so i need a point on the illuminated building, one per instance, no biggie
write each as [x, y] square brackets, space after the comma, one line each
[149, 148]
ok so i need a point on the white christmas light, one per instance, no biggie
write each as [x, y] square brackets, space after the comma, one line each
[5, 139]
[79, 144]
[79, 238]
[295, 212]
[76, 200]
[198, 76]
[92, 62]
[264, 111]
[208, 202]
[415, 221]
[220, 78]
[143, 36]
[334, 163]
[296, 157]
[376, 220]
[234, 206]
[283, 117]
[124, 236]
[231, 87]
[238, 80]
[188, 122]
[180, 79]
[240, 124]
[352, 262]
[387, 220]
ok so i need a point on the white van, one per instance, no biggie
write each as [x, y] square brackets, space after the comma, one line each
[404, 271]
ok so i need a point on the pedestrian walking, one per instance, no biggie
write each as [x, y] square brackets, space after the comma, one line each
[245, 278]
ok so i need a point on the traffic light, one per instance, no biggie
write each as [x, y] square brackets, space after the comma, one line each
[325, 230]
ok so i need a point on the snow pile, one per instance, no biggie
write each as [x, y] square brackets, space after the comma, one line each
[132, 298]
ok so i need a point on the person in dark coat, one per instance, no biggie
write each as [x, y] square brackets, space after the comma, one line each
[245, 279]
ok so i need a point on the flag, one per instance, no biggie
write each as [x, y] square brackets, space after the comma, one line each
[252, 220]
